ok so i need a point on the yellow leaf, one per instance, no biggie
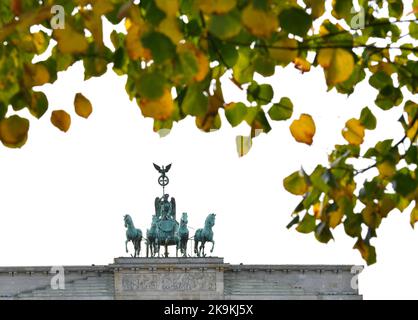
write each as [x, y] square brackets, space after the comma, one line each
[202, 60]
[93, 19]
[367, 251]
[14, 131]
[159, 109]
[413, 130]
[303, 129]
[284, 56]
[259, 22]
[386, 204]
[170, 7]
[133, 41]
[61, 120]
[203, 66]
[70, 41]
[371, 216]
[302, 64]
[169, 26]
[40, 75]
[338, 65]
[82, 106]
[335, 218]
[414, 214]
[102, 7]
[39, 42]
[386, 169]
[353, 132]
[318, 7]
[216, 6]
[317, 210]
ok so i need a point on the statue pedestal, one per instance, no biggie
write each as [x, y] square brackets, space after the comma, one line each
[169, 278]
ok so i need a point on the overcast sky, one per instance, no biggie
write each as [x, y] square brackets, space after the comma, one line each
[63, 195]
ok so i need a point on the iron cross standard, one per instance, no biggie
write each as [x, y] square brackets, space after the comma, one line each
[163, 179]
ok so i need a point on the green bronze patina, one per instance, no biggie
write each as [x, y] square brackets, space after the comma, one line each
[132, 234]
[183, 235]
[165, 230]
[204, 235]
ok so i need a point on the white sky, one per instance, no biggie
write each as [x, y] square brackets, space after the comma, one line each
[63, 195]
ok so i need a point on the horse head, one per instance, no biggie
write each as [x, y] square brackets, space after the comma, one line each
[128, 220]
[184, 219]
[210, 220]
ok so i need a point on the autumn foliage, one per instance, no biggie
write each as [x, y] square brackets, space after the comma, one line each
[173, 54]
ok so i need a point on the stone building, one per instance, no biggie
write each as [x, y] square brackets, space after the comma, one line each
[180, 278]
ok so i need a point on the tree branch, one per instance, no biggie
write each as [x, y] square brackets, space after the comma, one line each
[394, 147]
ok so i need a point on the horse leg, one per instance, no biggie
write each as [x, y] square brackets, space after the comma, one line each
[213, 245]
[184, 248]
[202, 248]
[139, 248]
[196, 245]
[126, 245]
[135, 247]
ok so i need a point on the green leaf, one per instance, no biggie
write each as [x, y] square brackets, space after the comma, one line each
[311, 198]
[342, 9]
[282, 110]
[320, 178]
[235, 113]
[380, 80]
[395, 8]
[294, 221]
[323, 233]
[389, 97]
[195, 103]
[411, 154]
[307, 224]
[152, 13]
[264, 65]
[151, 85]
[404, 183]
[225, 26]
[229, 54]
[38, 105]
[295, 20]
[296, 183]
[367, 119]
[413, 30]
[243, 70]
[262, 94]
[160, 45]
[352, 225]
